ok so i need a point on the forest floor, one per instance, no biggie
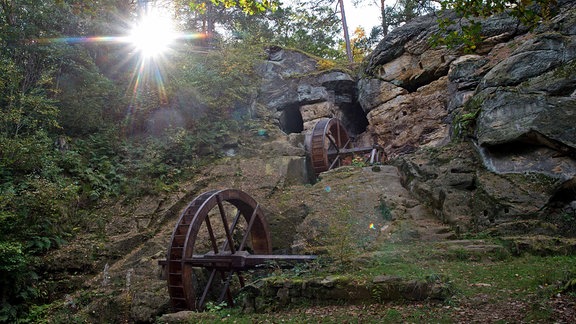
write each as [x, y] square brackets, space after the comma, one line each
[487, 288]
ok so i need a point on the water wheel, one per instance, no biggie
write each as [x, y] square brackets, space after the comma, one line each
[209, 247]
[328, 139]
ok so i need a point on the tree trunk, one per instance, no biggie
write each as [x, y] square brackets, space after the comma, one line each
[346, 36]
[384, 18]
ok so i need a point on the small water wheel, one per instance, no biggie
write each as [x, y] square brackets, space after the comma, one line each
[220, 234]
[328, 138]
[329, 143]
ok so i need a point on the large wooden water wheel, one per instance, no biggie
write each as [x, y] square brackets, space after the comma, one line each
[220, 234]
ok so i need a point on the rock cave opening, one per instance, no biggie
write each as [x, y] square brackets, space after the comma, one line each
[354, 119]
[291, 120]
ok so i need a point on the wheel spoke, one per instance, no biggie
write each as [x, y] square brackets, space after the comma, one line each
[211, 234]
[226, 290]
[206, 289]
[249, 228]
[334, 162]
[338, 134]
[225, 223]
[232, 229]
[241, 279]
[346, 144]
[333, 142]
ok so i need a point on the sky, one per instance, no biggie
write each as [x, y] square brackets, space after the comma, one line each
[366, 15]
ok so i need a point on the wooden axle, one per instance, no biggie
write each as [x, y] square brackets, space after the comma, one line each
[239, 261]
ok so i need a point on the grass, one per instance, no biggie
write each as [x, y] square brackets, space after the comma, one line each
[506, 288]
[473, 272]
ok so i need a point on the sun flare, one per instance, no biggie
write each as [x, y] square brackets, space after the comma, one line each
[153, 34]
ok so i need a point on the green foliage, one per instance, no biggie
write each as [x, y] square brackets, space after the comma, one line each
[23, 113]
[359, 161]
[248, 6]
[16, 280]
[88, 102]
[340, 240]
[310, 27]
[465, 123]
[570, 286]
[96, 165]
[212, 307]
[40, 183]
[467, 37]
[384, 210]
[199, 80]
[529, 12]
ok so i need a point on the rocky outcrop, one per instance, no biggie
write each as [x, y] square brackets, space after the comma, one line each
[412, 74]
[411, 120]
[514, 100]
[296, 94]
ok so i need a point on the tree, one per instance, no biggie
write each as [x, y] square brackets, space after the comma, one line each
[38, 195]
[345, 30]
[211, 12]
[360, 44]
[306, 26]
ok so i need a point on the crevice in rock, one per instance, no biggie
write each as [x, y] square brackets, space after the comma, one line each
[565, 193]
[291, 120]
[537, 138]
[425, 78]
[543, 153]
[354, 119]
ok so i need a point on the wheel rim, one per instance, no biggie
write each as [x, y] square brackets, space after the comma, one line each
[216, 221]
[328, 137]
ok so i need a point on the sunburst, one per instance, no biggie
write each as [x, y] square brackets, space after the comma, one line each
[148, 44]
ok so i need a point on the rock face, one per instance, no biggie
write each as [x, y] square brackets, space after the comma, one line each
[515, 99]
[422, 90]
[297, 95]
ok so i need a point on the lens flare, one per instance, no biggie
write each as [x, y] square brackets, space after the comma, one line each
[153, 34]
[146, 48]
